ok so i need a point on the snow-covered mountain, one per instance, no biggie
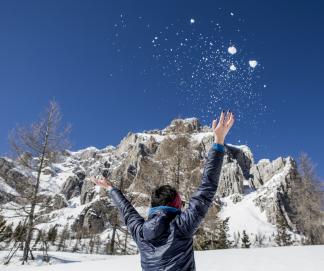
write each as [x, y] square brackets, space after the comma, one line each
[251, 194]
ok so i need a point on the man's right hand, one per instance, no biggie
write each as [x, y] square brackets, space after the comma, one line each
[222, 127]
[102, 183]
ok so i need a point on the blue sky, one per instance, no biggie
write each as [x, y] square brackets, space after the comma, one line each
[98, 60]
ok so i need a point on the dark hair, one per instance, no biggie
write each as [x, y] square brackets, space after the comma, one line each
[163, 195]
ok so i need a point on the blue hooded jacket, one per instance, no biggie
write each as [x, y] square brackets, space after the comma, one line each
[165, 239]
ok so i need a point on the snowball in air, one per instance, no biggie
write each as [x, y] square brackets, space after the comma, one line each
[232, 67]
[192, 21]
[232, 50]
[253, 63]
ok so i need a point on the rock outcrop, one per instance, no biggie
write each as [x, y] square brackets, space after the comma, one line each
[14, 177]
[231, 179]
[137, 165]
[95, 218]
[273, 180]
[72, 187]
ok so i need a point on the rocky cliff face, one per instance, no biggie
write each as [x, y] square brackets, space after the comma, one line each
[142, 161]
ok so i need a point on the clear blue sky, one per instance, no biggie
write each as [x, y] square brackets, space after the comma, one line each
[97, 59]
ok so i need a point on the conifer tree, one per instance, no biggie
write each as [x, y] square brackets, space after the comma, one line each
[19, 233]
[245, 240]
[52, 234]
[65, 234]
[283, 238]
[2, 224]
[222, 241]
[5, 230]
[18, 236]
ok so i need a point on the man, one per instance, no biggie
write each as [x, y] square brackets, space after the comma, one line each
[165, 239]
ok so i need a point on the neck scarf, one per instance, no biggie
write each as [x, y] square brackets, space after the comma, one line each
[176, 203]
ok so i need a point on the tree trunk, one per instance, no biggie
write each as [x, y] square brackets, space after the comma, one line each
[34, 201]
[113, 237]
[125, 246]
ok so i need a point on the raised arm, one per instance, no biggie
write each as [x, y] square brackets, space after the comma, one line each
[189, 220]
[132, 218]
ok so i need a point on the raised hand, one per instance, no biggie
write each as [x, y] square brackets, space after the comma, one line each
[102, 183]
[222, 126]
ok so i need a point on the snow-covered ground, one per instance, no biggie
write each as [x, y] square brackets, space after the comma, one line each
[246, 216]
[265, 259]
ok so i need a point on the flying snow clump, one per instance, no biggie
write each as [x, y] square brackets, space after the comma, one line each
[232, 50]
[253, 63]
[233, 68]
[192, 21]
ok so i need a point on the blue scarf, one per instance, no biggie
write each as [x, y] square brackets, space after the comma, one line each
[167, 209]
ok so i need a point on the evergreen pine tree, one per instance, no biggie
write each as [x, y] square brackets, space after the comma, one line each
[245, 240]
[283, 238]
[2, 224]
[6, 236]
[5, 230]
[216, 236]
[19, 233]
[2, 229]
[222, 241]
[52, 235]
[65, 234]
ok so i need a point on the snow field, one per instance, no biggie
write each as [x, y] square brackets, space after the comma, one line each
[266, 259]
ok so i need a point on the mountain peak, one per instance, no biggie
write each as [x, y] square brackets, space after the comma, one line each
[145, 160]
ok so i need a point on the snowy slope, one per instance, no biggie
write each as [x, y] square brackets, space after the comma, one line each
[245, 215]
[266, 259]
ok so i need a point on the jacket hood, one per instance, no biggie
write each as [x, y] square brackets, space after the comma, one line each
[158, 221]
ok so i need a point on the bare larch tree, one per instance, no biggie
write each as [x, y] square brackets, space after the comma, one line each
[307, 197]
[36, 147]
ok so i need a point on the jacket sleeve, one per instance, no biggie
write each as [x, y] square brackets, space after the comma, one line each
[189, 220]
[132, 219]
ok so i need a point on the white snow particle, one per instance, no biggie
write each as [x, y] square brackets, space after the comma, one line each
[192, 21]
[253, 63]
[232, 67]
[232, 50]
[232, 14]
